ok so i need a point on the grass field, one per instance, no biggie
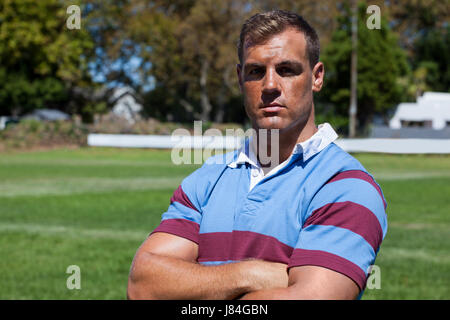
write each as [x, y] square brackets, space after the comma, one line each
[93, 208]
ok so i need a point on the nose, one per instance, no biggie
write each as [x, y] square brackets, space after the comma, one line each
[270, 83]
[270, 87]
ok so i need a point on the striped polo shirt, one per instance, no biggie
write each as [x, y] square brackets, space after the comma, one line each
[320, 208]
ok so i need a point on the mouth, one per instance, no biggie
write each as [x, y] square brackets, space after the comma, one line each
[272, 107]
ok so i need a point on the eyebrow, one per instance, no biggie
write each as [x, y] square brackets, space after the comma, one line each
[253, 65]
[292, 63]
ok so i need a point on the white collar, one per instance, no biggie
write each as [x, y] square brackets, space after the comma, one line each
[321, 139]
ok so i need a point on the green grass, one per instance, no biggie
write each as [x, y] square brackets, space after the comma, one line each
[93, 207]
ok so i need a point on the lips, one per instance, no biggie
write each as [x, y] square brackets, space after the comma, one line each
[273, 107]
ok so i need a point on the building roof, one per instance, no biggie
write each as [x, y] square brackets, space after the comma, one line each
[432, 106]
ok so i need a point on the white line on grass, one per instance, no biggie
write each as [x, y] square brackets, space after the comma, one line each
[411, 175]
[65, 231]
[39, 187]
[415, 254]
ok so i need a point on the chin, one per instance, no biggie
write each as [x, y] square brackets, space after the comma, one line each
[271, 123]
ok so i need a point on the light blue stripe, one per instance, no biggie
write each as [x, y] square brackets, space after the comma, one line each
[178, 211]
[198, 184]
[338, 241]
[216, 263]
[286, 231]
[354, 190]
[189, 188]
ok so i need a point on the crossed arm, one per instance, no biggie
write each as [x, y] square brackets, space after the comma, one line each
[165, 267]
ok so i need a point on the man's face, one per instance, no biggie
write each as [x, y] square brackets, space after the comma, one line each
[277, 82]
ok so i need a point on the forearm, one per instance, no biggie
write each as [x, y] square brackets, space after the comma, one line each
[317, 284]
[159, 277]
[272, 294]
[294, 294]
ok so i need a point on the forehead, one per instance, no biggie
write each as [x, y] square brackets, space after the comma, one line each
[287, 45]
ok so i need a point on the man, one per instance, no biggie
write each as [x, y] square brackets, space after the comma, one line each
[307, 228]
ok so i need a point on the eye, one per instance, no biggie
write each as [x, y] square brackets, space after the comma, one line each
[255, 71]
[285, 70]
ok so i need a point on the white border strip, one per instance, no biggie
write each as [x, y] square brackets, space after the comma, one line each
[163, 142]
[399, 146]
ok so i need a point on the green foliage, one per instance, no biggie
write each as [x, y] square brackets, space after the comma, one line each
[187, 48]
[92, 108]
[381, 62]
[20, 94]
[187, 51]
[32, 134]
[326, 113]
[432, 56]
[40, 58]
[180, 56]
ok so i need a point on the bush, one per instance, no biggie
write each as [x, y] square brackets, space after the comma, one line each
[32, 134]
[111, 124]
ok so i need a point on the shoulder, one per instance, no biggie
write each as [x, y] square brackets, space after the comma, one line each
[334, 164]
[198, 185]
[324, 166]
[336, 159]
[351, 173]
[212, 168]
[350, 190]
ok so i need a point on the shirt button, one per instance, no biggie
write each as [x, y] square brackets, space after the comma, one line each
[255, 173]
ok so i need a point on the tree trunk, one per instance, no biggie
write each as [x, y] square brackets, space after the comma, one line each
[204, 98]
[354, 72]
[225, 91]
[220, 114]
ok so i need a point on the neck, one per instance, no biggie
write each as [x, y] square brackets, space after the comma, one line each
[284, 144]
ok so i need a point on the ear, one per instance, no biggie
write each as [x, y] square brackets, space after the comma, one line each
[318, 73]
[239, 73]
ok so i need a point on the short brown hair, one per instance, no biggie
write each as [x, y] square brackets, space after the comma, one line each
[262, 26]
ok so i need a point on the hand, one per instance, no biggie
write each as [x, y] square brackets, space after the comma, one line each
[267, 275]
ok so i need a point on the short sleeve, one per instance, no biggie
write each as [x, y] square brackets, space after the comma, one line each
[183, 216]
[344, 226]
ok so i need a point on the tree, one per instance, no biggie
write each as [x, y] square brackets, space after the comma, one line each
[41, 59]
[186, 51]
[381, 63]
[423, 26]
[432, 56]
[319, 14]
[194, 60]
[411, 18]
[180, 56]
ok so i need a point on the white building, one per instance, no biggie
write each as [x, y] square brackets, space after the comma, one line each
[431, 110]
[126, 104]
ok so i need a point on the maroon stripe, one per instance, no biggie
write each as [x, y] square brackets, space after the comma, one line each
[303, 257]
[358, 174]
[239, 245]
[181, 197]
[214, 246]
[180, 227]
[351, 216]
